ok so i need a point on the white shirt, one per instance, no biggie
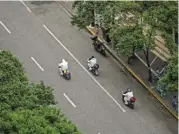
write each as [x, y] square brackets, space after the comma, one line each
[63, 65]
[93, 61]
[129, 95]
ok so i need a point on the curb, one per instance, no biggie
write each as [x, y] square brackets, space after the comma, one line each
[134, 75]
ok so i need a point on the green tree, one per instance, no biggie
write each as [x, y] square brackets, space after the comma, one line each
[25, 107]
[167, 18]
[41, 120]
[129, 39]
[10, 68]
[170, 79]
[138, 35]
[95, 13]
[84, 15]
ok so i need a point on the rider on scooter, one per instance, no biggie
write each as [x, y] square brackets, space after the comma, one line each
[63, 66]
[92, 62]
[97, 43]
[128, 95]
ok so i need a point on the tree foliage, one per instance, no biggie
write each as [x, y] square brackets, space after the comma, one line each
[84, 13]
[129, 39]
[25, 106]
[87, 11]
[167, 17]
[11, 69]
[41, 120]
[170, 79]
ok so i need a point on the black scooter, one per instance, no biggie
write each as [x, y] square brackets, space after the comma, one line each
[94, 69]
[98, 46]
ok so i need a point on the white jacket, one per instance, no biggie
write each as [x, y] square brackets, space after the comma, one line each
[93, 62]
[129, 95]
[63, 65]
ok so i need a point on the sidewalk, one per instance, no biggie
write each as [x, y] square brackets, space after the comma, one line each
[140, 72]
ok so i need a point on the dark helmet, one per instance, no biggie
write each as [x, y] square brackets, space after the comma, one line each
[92, 57]
[128, 90]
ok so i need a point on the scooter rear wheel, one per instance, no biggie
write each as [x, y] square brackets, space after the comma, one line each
[96, 72]
[68, 76]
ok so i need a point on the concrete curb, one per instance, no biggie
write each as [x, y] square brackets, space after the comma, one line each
[134, 75]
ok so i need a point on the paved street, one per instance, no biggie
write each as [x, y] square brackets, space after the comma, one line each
[40, 35]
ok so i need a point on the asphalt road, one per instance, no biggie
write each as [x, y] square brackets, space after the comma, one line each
[40, 35]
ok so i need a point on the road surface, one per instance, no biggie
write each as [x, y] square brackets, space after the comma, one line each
[40, 35]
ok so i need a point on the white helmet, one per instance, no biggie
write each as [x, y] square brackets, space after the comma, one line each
[63, 60]
[129, 90]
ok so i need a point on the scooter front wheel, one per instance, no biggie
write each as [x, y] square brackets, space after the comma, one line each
[131, 106]
[68, 76]
[104, 53]
[96, 72]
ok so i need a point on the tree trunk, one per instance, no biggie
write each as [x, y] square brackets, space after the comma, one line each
[113, 43]
[176, 38]
[133, 50]
[113, 16]
[133, 55]
[103, 33]
[93, 21]
[147, 56]
[146, 53]
[92, 24]
[173, 34]
[150, 75]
